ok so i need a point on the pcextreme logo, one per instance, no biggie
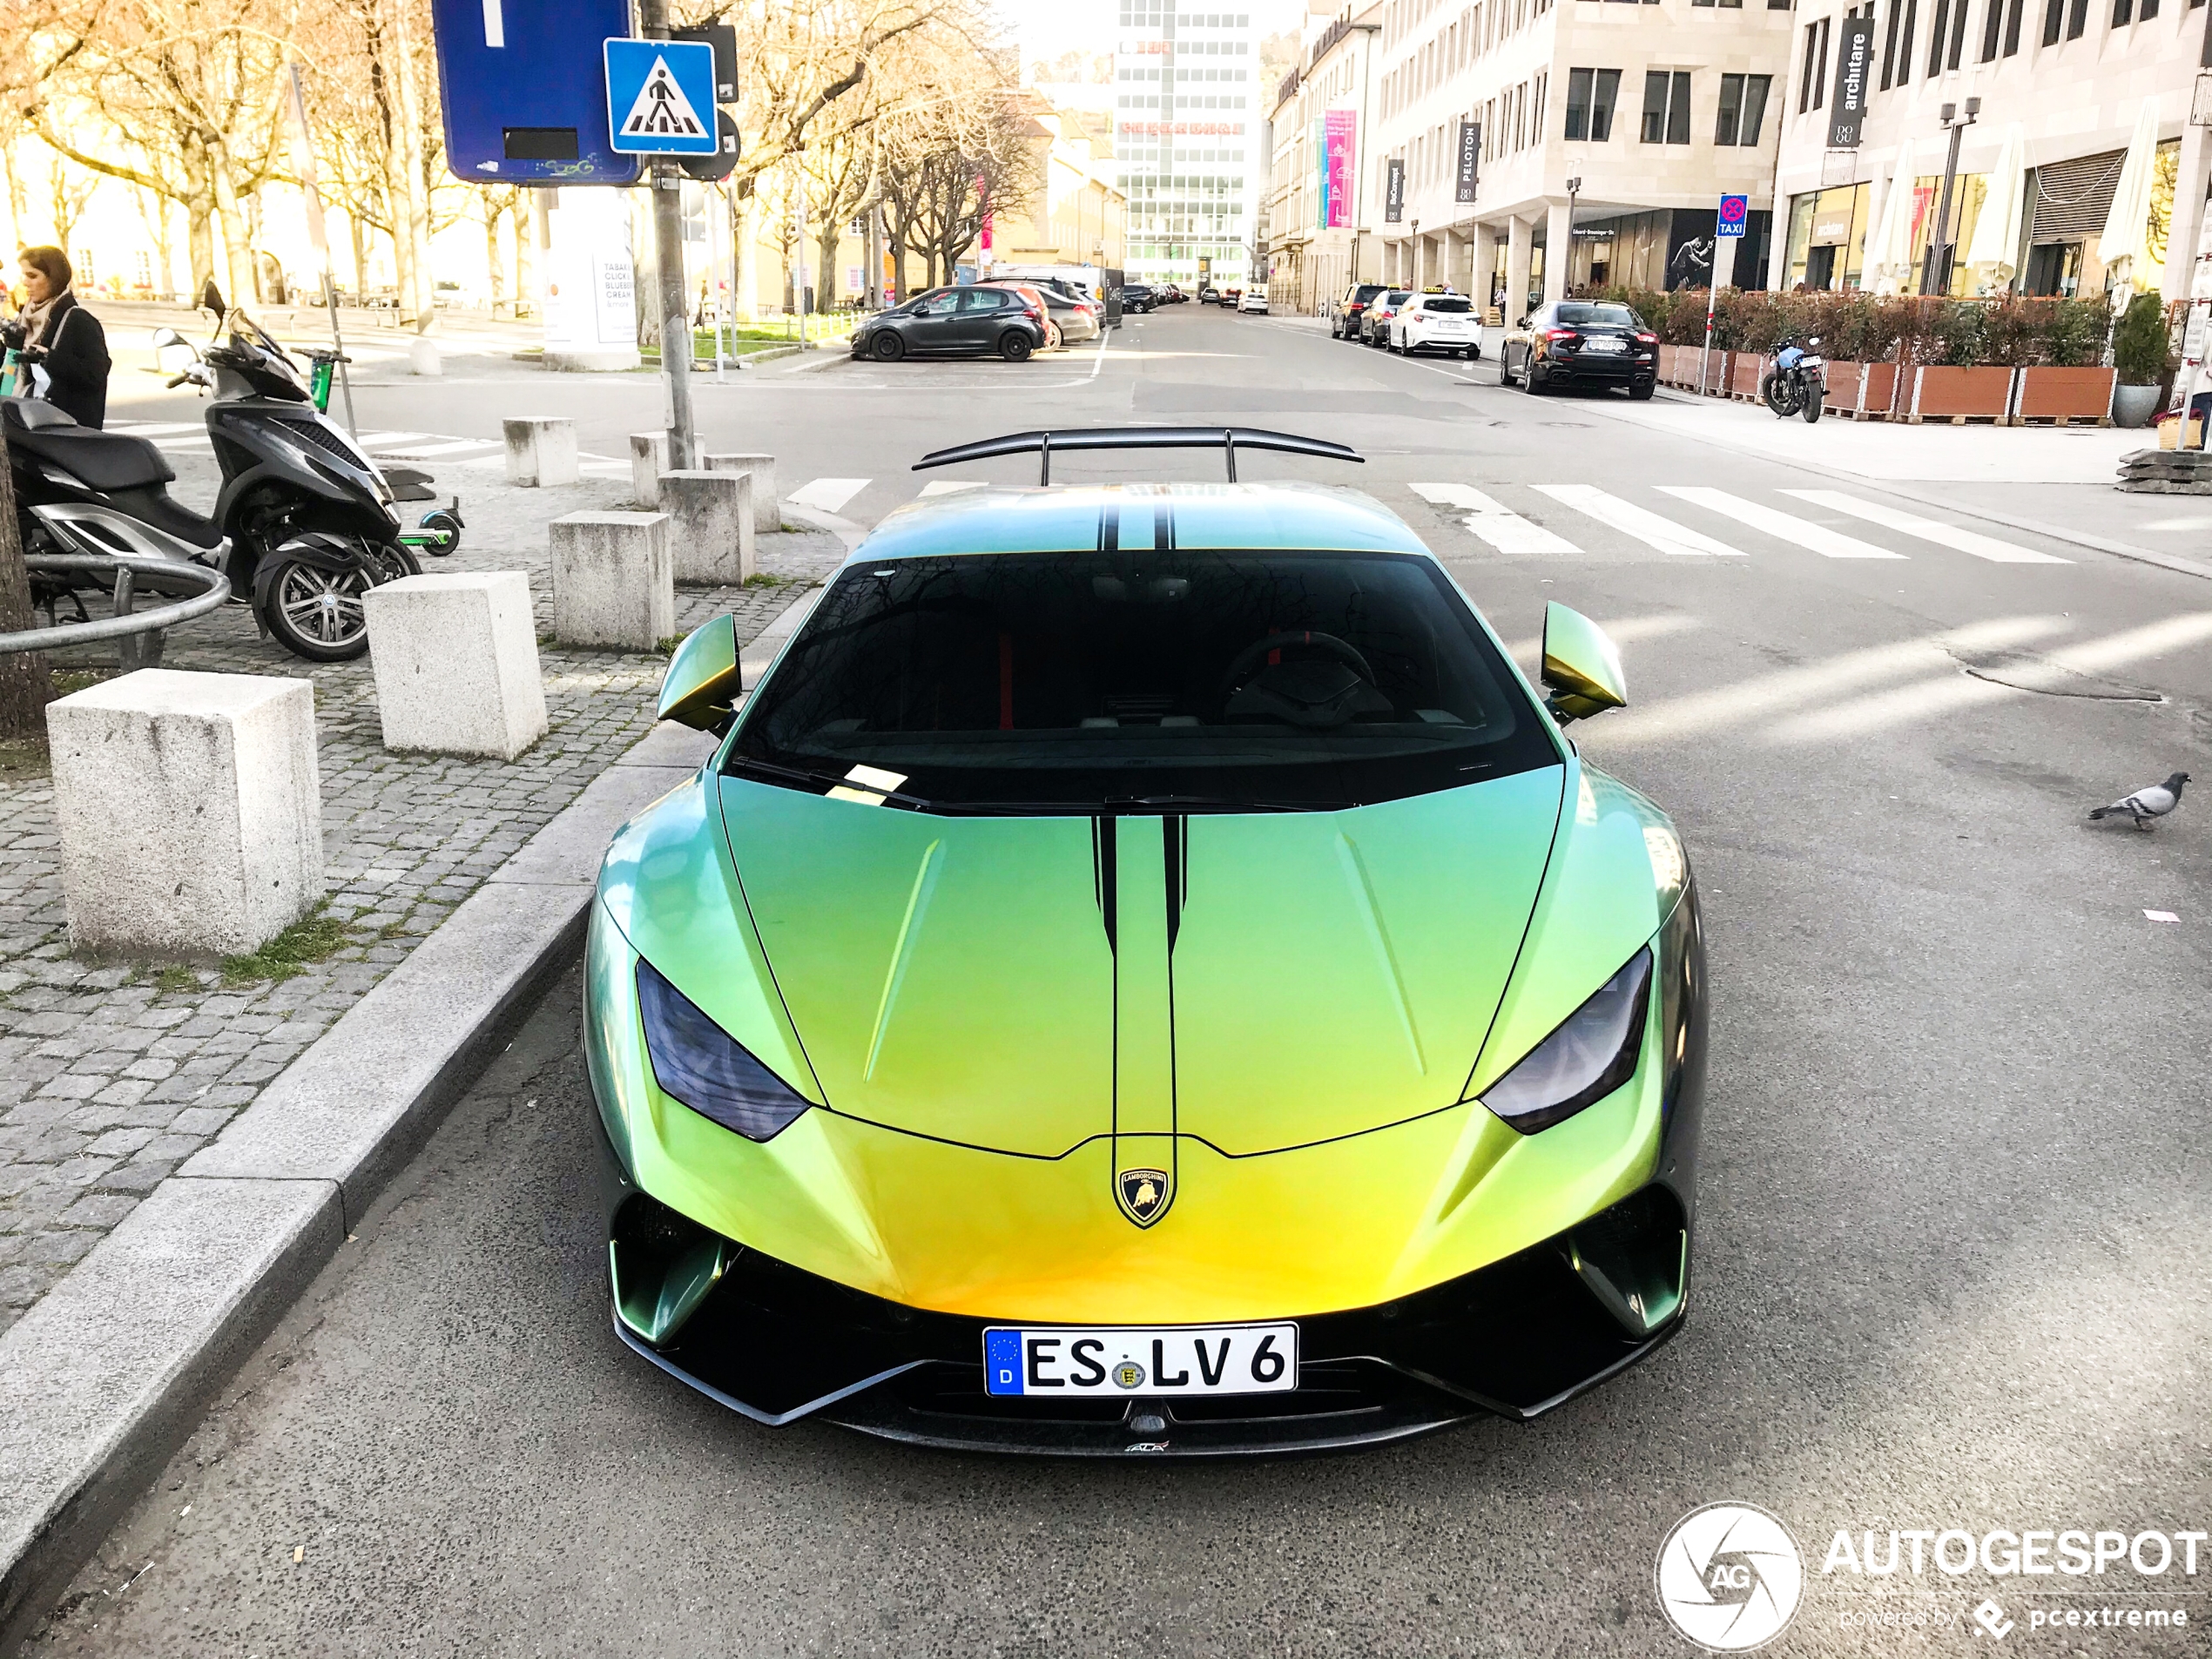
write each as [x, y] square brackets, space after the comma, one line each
[1730, 1577]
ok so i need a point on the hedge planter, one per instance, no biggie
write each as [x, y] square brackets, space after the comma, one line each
[1862, 390]
[2065, 394]
[2132, 406]
[1940, 393]
[1745, 370]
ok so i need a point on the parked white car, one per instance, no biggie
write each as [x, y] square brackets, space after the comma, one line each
[1439, 323]
[1255, 299]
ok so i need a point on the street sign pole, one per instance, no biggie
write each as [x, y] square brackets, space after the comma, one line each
[1728, 226]
[667, 180]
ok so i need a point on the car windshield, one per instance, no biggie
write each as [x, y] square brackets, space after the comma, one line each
[1075, 682]
[1365, 292]
[1604, 316]
[1445, 303]
[1398, 296]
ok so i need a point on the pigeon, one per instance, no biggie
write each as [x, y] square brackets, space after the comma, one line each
[2147, 804]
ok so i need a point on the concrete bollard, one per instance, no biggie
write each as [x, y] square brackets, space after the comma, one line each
[710, 525]
[614, 583]
[767, 510]
[456, 663]
[648, 461]
[189, 811]
[541, 450]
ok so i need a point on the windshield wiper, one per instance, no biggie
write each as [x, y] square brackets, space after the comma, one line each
[768, 771]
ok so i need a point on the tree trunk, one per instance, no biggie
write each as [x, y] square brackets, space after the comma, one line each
[829, 282]
[524, 209]
[361, 255]
[494, 265]
[743, 306]
[199, 240]
[411, 217]
[235, 267]
[25, 685]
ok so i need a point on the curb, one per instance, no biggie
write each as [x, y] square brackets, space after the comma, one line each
[109, 1374]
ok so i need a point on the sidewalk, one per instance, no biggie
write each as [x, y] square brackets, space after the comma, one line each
[117, 1073]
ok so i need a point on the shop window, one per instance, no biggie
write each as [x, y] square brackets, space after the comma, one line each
[1666, 107]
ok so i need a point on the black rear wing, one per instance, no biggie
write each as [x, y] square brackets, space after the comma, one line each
[1228, 440]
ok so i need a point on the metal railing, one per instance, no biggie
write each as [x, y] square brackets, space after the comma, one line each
[205, 590]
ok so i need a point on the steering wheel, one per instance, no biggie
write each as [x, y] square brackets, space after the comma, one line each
[1342, 650]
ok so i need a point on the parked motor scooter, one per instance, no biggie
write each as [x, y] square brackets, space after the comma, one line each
[1797, 384]
[305, 522]
[438, 531]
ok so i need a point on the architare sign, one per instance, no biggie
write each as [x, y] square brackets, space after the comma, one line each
[1394, 193]
[1854, 58]
[1470, 159]
[1340, 130]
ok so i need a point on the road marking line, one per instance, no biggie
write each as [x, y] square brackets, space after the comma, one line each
[1640, 522]
[1785, 527]
[383, 440]
[828, 495]
[453, 447]
[155, 429]
[948, 486]
[1927, 529]
[1507, 531]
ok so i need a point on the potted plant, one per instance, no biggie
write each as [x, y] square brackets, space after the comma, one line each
[2138, 353]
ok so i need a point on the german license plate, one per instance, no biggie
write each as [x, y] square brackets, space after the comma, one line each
[1059, 1361]
[1601, 342]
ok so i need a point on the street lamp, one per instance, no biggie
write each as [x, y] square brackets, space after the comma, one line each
[1937, 261]
[1567, 253]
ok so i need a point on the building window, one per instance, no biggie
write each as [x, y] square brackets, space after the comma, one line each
[2077, 19]
[1743, 109]
[2053, 18]
[1666, 107]
[1810, 88]
[1935, 36]
[1897, 54]
[1591, 95]
[2122, 10]
[1992, 26]
[2013, 28]
[1957, 31]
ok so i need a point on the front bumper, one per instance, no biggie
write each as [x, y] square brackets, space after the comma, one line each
[1514, 1339]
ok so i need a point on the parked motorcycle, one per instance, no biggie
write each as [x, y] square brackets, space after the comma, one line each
[305, 522]
[1797, 384]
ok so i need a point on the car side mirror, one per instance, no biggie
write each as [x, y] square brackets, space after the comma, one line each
[1581, 666]
[701, 685]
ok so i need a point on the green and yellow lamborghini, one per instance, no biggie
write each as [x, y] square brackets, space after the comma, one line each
[1144, 973]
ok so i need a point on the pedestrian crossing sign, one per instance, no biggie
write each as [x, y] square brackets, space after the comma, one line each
[660, 97]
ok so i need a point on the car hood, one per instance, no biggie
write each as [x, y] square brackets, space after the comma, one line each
[1259, 982]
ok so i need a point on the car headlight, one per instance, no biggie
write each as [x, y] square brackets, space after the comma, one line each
[701, 1065]
[1591, 1054]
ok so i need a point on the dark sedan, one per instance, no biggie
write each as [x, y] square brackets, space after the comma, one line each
[1138, 296]
[1344, 320]
[972, 320]
[1581, 342]
[1374, 321]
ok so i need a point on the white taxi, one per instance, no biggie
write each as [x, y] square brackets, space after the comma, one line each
[1439, 322]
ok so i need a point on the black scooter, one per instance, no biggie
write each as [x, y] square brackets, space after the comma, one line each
[305, 523]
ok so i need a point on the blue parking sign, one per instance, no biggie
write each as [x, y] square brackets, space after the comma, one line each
[660, 97]
[1734, 210]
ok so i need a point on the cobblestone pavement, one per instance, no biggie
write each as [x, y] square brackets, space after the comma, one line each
[112, 1074]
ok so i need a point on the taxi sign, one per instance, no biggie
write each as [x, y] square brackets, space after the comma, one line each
[1734, 210]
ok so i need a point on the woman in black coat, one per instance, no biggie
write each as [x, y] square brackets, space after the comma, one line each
[55, 333]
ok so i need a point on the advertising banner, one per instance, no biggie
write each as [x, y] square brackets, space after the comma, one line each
[1320, 175]
[1470, 159]
[1394, 193]
[1854, 57]
[1341, 128]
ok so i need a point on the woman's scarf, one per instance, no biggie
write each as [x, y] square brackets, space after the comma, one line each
[37, 317]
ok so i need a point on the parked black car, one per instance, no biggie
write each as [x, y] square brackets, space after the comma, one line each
[1344, 316]
[1581, 342]
[973, 320]
[1139, 296]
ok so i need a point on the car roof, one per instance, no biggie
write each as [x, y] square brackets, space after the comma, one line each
[1067, 518]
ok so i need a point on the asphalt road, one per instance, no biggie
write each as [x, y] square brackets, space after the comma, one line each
[1956, 1202]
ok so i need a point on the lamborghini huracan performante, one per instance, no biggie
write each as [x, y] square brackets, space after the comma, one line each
[1144, 973]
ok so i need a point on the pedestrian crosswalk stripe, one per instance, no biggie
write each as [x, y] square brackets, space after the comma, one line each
[155, 429]
[449, 446]
[948, 486]
[1927, 529]
[1785, 527]
[1507, 531]
[1631, 520]
[828, 495]
[386, 440]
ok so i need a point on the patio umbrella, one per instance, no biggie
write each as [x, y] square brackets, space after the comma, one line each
[2128, 222]
[1888, 248]
[1996, 239]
